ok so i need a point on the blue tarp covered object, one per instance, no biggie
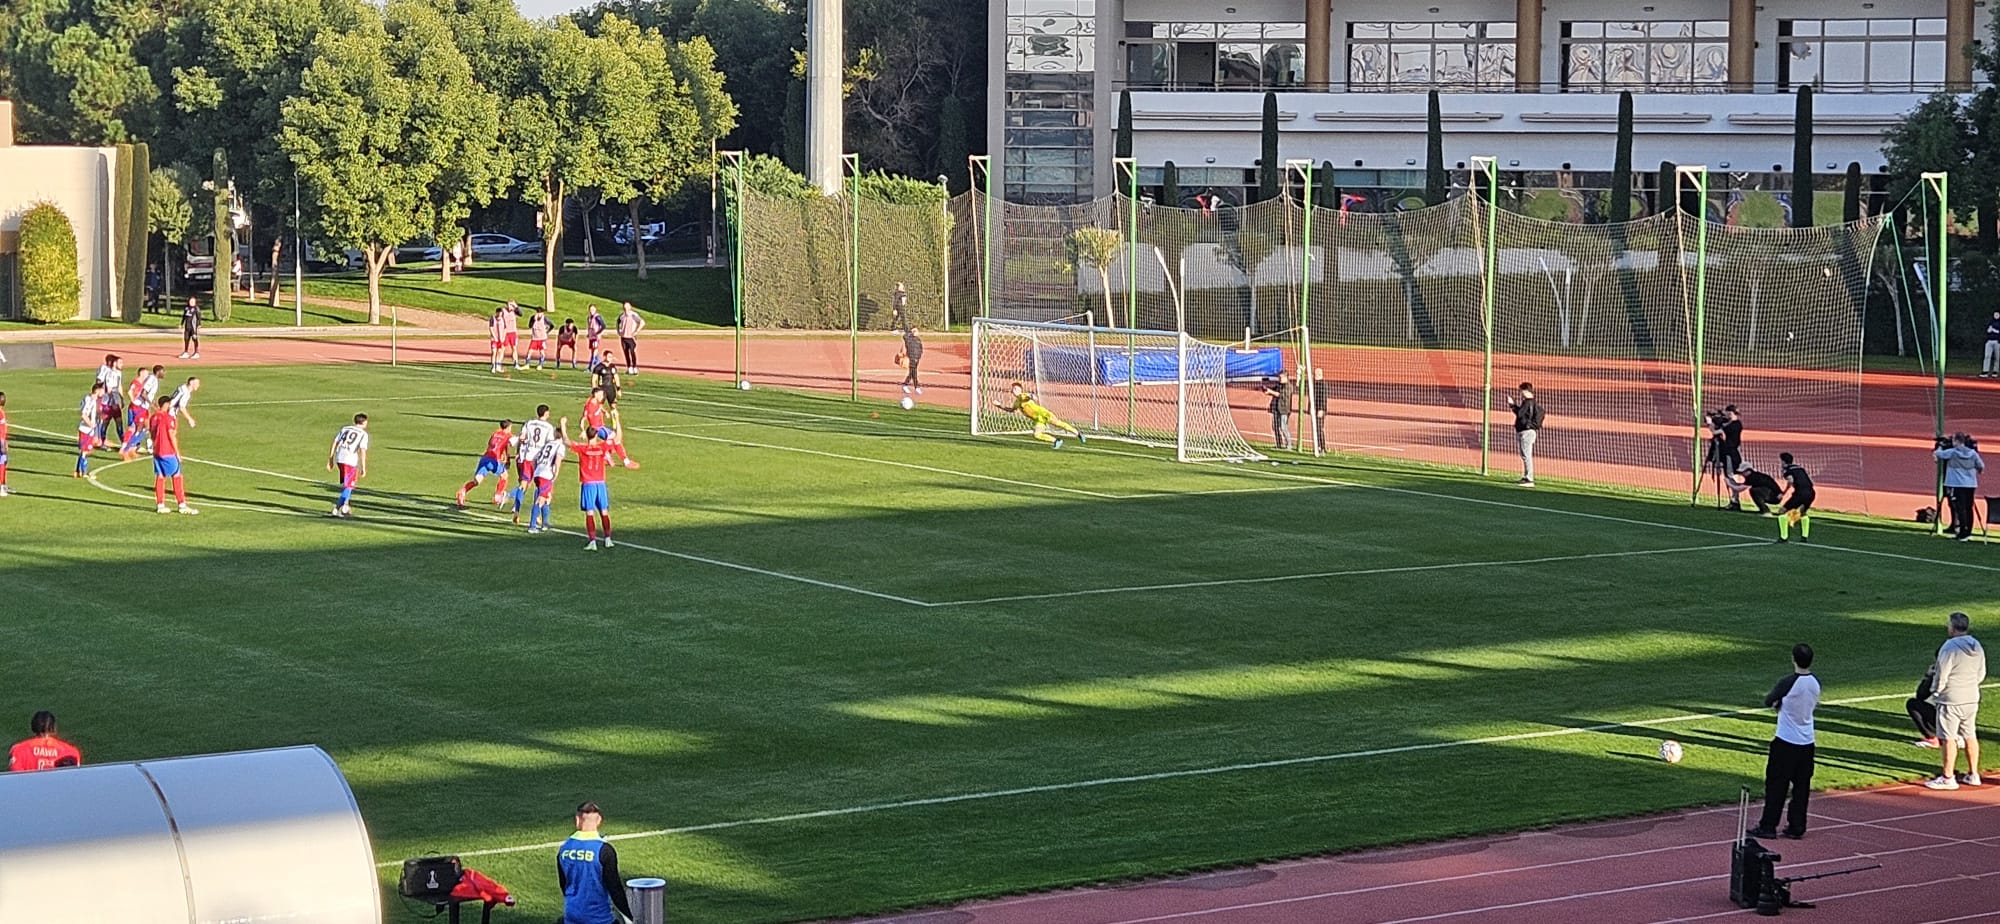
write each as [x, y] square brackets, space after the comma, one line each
[1072, 365]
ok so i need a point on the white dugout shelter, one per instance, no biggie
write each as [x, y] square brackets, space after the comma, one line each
[243, 838]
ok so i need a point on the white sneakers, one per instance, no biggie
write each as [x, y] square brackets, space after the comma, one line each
[1947, 783]
[607, 542]
[190, 511]
[591, 546]
[161, 509]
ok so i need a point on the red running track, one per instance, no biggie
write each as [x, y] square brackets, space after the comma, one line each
[1939, 852]
[1416, 406]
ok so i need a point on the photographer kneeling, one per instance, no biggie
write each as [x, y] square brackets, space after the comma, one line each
[1763, 489]
[1962, 465]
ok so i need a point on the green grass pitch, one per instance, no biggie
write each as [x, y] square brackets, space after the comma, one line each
[796, 666]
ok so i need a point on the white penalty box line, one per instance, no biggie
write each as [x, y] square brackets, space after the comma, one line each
[1140, 778]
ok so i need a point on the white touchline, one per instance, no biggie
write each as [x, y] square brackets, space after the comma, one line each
[871, 808]
[1357, 572]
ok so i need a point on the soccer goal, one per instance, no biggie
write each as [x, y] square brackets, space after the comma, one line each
[1152, 387]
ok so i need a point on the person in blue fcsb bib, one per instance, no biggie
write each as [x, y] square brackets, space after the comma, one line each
[587, 869]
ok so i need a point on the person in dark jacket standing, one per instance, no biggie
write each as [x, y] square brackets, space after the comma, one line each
[1923, 712]
[1318, 395]
[191, 330]
[1990, 368]
[1280, 393]
[1789, 766]
[1962, 466]
[1527, 426]
[913, 352]
[587, 870]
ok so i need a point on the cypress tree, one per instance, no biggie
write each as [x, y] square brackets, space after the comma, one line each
[1621, 163]
[1802, 165]
[1121, 142]
[1435, 183]
[1664, 200]
[1269, 168]
[1170, 185]
[1328, 195]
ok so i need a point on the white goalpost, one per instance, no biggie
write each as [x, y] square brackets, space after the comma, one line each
[1151, 387]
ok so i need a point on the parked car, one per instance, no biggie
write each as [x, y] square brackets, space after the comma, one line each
[486, 244]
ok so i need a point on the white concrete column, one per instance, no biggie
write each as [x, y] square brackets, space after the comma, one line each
[826, 53]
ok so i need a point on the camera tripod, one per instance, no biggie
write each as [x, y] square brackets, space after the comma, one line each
[1712, 469]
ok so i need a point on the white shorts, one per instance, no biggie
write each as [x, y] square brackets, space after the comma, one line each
[1955, 721]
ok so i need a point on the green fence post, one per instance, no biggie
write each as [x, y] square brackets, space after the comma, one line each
[1698, 176]
[1486, 171]
[1131, 184]
[1303, 414]
[1939, 184]
[853, 164]
[735, 215]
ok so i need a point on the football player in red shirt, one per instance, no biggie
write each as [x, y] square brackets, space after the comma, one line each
[593, 456]
[3, 444]
[165, 428]
[499, 448]
[44, 751]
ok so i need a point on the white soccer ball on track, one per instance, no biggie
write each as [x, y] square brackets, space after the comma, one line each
[909, 402]
[1670, 751]
[743, 384]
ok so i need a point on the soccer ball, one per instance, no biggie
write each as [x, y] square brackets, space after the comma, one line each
[908, 402]
[1670, 751]
[743, 384]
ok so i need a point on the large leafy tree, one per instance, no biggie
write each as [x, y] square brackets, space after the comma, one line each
[754, 43]
[78, 68]
[582, 116]
[170, 205]
[455, 123]
[353, 133]
[687, 109]
[919, 54]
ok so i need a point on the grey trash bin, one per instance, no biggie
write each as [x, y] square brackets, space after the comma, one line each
[649, 900]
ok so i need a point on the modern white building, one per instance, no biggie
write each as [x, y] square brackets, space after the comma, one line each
[1532, 82]
[78, 181]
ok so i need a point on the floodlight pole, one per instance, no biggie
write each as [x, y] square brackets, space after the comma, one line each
[976, 167]
[1698, 177]
[298, 259]
[853, 164]
[735, 212]
[1303, 415]
[1939, 184]
[1486, 180]
[1131, 184]
[944, 232]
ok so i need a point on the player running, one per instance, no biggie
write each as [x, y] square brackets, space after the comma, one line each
[165, 428]
[88, 415]
[350, 455]
[1796, 504]
[600, 412]
[3, 444]
[593, 498]
[1025, 404]
[547, 463]
[535, 434]
[538, 338]
[499, 450]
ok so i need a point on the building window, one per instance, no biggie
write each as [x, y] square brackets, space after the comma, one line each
[1430, 55]
[1857, 55]
[1667, 56]
[1051, 82]
[1210, 55]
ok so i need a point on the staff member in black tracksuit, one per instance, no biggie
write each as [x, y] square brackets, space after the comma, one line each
[1796, 506]
[1318, 395]
[913, 352]
[1763, 489]
[1280, 393]
[1727, 438]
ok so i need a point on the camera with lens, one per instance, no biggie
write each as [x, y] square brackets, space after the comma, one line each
[1716, 419]
[1946, 442]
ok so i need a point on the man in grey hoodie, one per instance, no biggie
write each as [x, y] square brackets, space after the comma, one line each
[1961, 669]
[1962, 466]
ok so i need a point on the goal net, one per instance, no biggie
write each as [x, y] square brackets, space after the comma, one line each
[1156, 388]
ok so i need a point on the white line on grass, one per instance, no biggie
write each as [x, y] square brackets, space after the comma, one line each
[1357, 572]
[874, 807]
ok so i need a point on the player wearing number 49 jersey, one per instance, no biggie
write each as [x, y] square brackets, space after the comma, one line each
[349, 456]
[535, 434]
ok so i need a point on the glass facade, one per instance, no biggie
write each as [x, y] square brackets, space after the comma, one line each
[1861, 55]
[1430, 55]
[1049, 113]
[1207, 55]
[1660, 57]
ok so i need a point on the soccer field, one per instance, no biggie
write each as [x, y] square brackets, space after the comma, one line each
[841, 664]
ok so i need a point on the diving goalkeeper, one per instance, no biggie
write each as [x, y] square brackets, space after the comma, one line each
[1042, 417]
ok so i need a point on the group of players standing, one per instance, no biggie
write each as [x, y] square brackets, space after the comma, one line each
[536, 455]
[142, 423]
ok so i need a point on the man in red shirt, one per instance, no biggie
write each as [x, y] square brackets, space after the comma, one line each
[499, 448]
[44, 751]
[165, 428]
[593, 456]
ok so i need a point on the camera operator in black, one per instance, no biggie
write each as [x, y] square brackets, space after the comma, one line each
[1796, 503]
[1763, 489]
[1725, 439]
[1280, 393]
[1962, 465]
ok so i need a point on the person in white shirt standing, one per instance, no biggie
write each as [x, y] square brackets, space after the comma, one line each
[629, 326]
[1961, 670]
[1789, 766]
[112, 376]
[349, 456]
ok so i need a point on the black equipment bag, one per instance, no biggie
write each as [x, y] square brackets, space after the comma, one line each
[430, 879]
